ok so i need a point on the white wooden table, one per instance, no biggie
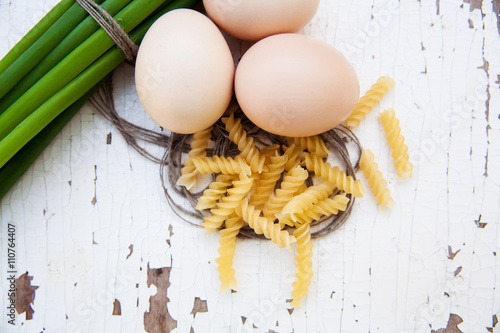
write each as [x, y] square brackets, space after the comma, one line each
[103, 252]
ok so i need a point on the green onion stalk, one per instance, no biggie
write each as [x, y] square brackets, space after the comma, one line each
[67, 85]
[72, 65]
[41, 66]
[34, 34]
[46, 42]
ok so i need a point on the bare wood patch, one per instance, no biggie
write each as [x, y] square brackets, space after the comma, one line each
[158, 319]
[451, 254]
[452, 326]
[199, 306]
[131, 249]
[475, 4]
[94, 199]
[480, 224]
[458, 270]
[25, 295]
[108, 138]
[494, 320]
[117, 308]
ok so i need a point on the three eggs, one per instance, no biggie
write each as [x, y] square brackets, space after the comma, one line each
[286, 83]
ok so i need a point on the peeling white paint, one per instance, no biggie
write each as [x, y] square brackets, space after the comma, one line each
[382, 272]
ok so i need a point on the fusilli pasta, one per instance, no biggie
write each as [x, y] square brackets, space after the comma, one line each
[306, 200]
[397, 143]
[262, 225]
[225, 165]
[245, 143]
[338, 177]
[369, 100]
[292, 182]
[293, 152]
[327, 206]
[375, 180]
[270, 151]
[313, 144]
[215, 191]
[303, 260]
[228, 204]
[227, 247]
[198, 149]
[267, 182]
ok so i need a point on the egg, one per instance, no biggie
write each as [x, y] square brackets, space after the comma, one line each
[184, 72]
[255, 19]
[295, 85]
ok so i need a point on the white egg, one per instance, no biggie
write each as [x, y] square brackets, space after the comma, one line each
[296, 85]
[256, 19]
[184, 72]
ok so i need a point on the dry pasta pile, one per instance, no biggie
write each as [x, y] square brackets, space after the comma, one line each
[280, 188]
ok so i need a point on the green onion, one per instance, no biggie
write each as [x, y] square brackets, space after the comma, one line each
[39, 49]
[72, 65]
[84, 30]
[21, 162]
[68, 95]
[45, 23]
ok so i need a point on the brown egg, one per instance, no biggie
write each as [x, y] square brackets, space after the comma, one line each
[184, 72]
[255, 19]
[295, 85]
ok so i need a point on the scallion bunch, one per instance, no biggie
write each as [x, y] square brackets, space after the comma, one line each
[55, 68]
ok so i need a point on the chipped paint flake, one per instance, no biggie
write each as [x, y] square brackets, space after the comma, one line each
[131, 249]
[452, 326]
[451, 254]
[158, 319]
[199, 306]
[25, 295]
[117, 308]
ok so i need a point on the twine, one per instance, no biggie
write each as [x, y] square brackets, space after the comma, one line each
[112, 28]
[337, 140]
[103, 102]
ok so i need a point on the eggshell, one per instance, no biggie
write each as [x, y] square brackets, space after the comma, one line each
[184, 72]
[255, 19]
[295, 85]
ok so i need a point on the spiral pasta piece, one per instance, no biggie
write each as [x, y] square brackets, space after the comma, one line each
[326, 207]
[369, 100]
[303, 259]
[227, 247]
[215, 191]
[270, 151]
[225, 165]
[375, 179]
[397, 143]
[313, 144]
[268, 179]
[245, 143]
[228, 204]
[292, 182]
[293, 152]
[306, 200]
[326, 171]
[262, 225]
[198, 149]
